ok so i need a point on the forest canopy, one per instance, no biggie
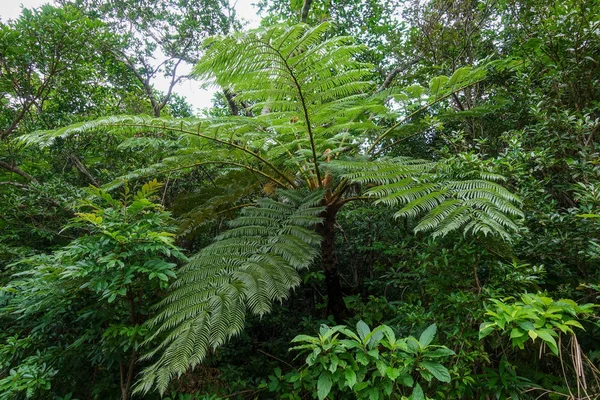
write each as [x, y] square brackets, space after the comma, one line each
[386, 200]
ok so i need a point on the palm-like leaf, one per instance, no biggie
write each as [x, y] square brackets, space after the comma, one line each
[295, 75]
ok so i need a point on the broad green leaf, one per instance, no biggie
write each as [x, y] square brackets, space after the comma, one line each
[515, 333]
[574, 323]
[324, 385]
[406, 380]
[374, 337]
[412, 345]
[436, 369]
[532, 334]
[363, 330]
[526, 325]
[485, 329]
[439, 352]
[436, 84]
[374, 394]
[417, 393]
[549, 340]
[381, 367]
[350, 377]
[388, 387]
[427, 336]
[458, 76]
[392, 373]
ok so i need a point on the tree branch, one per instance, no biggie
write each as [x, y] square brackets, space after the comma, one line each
[145, 81]
[305, 10]
[18, 171]
[16, 121]
[174, 81]
[16, 184]
[392, 75]
[81, 168]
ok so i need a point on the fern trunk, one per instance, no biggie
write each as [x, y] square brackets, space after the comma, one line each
[335, 297]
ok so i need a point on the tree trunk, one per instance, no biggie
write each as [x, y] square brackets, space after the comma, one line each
[127, 373]
[335, 297]
[233, 108]
[305, 10]
[81, 168]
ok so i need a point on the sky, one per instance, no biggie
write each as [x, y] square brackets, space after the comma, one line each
[197, 97]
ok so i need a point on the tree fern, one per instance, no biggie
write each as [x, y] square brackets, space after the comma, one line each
[248, 267]
[310, 105]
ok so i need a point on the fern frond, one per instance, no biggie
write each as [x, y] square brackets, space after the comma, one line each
[445, 199]
[245, 269]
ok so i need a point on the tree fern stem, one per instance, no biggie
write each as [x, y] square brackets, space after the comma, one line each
[340, 189]
[310, 135]
[335, 296]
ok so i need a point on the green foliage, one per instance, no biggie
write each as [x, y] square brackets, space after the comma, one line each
[285, 145]
[29, 378]
[311, 109]
[309, 99]
[52, 76]
[103, 279]
[187, 396]
[159, 38]
[534, 316]
[35, 217]
[366, 364]
[504, 383]
[124, 243]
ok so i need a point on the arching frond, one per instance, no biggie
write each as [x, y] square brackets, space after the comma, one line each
[284, 66]
[295, 70]
[446, 200]
[239, 142]
[245, 269]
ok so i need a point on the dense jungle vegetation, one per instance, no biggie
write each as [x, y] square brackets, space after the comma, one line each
[387, 200]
